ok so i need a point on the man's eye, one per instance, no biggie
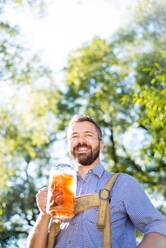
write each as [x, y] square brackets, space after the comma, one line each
[89, 135]
[74, 137]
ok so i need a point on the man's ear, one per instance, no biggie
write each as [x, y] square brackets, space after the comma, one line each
[101, 145]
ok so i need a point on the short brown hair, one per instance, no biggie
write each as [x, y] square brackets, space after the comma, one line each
[82, 118]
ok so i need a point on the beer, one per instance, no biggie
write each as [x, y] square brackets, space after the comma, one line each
[60, 202]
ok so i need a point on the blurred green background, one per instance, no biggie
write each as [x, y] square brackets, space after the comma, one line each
[119, 81]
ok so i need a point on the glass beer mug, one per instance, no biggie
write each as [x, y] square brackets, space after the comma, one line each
[61, 192]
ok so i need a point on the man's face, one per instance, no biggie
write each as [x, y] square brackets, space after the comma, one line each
[84, 144]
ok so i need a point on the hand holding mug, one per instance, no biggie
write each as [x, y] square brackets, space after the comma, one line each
[41, 199]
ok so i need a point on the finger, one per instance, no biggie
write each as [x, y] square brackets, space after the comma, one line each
[42, 193]
[44, 189]
[41, 201]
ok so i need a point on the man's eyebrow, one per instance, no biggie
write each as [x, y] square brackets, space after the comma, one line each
[84, 132]
[74, 133]
[89, 132]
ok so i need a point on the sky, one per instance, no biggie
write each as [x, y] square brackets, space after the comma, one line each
[67, 25]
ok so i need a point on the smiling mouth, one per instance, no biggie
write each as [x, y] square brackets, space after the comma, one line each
[82, 149]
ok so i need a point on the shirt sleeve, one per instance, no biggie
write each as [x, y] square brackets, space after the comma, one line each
[145, 217]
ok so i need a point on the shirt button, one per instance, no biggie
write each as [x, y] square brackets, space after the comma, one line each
[70, 241]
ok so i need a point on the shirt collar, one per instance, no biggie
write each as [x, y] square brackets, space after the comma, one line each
[98, 170]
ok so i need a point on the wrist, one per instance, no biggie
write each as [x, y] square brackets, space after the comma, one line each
[44, 215]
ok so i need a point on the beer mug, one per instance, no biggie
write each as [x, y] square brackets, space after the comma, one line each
[61, 192]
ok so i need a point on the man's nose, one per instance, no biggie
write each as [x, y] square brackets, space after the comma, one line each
[81, 139]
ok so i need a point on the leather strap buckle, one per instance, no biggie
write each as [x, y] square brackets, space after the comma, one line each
[103, 198]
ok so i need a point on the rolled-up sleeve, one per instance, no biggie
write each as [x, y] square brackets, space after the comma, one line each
[145, 217]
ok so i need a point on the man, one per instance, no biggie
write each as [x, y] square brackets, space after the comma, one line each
[130, 208]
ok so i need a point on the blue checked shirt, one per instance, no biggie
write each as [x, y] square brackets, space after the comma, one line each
[130, 209]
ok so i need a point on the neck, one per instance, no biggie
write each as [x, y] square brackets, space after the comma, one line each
[83, 169]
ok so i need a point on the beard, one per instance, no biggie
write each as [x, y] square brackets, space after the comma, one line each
[88, 158]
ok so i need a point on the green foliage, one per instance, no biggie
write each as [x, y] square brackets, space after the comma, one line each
[150, 75]
[25, 132]
[26, 135]
[120, 83]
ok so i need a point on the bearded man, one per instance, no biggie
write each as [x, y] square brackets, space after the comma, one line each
[130, 208]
